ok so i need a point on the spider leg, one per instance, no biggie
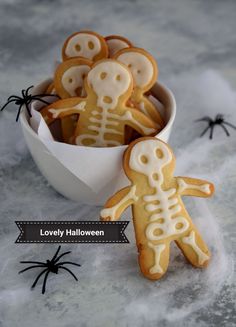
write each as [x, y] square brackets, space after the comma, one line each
[55, 255]
[15, 97]
[68, 263]
[37, 262]
[62, 255]
[225, 129]
[206, 118]
[45, 281]
[19, 110]
[25, 93]
[7, 103]
[69, 271]
[211, 132]
[231, 125]
[205, 130]
[37, 278]
[27, 90]
[31, 267]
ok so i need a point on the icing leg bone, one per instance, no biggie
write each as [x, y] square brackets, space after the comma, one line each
[158, 249]
[194, 244]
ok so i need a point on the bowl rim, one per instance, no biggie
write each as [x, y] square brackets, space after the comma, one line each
[172, 103]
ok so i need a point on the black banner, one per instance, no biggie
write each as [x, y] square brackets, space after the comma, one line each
[72, 232]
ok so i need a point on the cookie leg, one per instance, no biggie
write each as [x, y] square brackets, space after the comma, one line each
[194, 248]
[68, 125]
[154, 259]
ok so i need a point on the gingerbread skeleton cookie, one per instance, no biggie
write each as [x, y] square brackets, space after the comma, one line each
[69, 82]
[103, 113]
[70, 75]
[85, 44]
[159, 214]
[144, 70]
[116, 43]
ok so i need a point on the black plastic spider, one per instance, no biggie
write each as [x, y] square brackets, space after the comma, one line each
[52, 265]
[26, 100]
[219, 120]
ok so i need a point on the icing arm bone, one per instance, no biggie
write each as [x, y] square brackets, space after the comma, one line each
[118, 203]
[62, 109]
[194, 187]
[141, 123]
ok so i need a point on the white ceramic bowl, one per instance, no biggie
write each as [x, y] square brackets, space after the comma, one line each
[66, 182]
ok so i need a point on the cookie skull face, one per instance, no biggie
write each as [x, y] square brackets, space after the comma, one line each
[73, 79]
[109, 80]
[141, 65]
[83, 45]
[149, 157]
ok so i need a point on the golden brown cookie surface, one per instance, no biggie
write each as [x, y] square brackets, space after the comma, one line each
[159, 214]
[145, 71]
[86, 44]
[70, 75]
[103, 112]
[116, 43]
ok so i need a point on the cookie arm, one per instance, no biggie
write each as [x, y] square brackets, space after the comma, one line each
[140, 122]
[118, 203]
[194, 187]
[63, 108]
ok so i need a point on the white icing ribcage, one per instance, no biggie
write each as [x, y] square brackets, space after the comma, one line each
[106, 122]
[101, 123]
[163, 219]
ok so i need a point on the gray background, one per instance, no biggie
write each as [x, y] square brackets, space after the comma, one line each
[194, 43]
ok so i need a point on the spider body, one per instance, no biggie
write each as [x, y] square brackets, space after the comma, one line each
[26, 99]
[219, 120]
[50, 266]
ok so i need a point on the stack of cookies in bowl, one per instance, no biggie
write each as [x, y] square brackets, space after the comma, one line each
[104, 88]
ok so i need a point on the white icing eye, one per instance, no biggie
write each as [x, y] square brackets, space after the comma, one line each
[144, 159]
[159, 153]
[90, 45]
[84, 45]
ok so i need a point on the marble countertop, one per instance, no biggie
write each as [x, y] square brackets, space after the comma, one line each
[194, 43]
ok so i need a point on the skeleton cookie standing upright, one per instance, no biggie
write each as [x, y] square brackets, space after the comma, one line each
[103, 113]
[159, 214]
[69, 82]
[144, 70]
